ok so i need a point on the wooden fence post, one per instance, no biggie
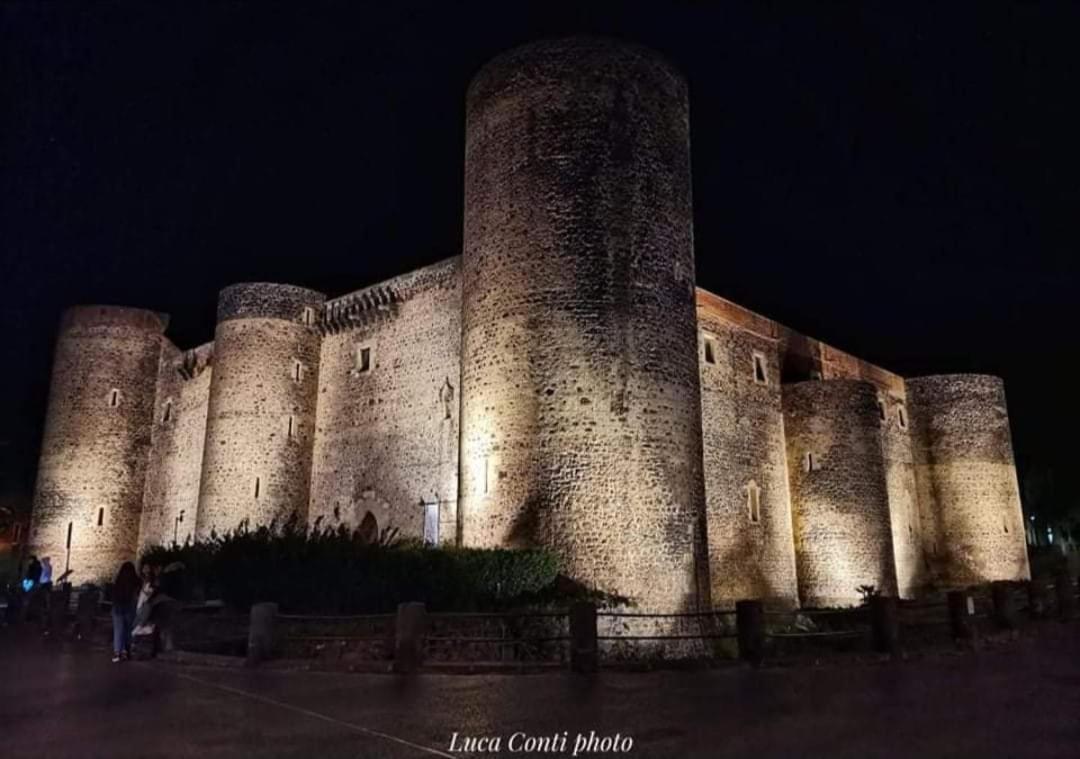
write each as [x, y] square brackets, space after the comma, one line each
[961, 617]
[1038, 597]
[410, 629]
[1001, 592]
[885, 625]
[262, 635]
[584, 657]
[750, 627]
[1066, 594]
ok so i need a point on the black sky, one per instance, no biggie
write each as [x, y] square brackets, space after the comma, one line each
[899, 180]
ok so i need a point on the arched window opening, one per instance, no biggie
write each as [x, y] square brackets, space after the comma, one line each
[369, 529]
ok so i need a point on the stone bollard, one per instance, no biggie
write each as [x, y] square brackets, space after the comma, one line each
[1065, 592]
[1038, 597]
[885, 624]
[1001, 591]
[410, 628]
[750, 627]
[584, 656]
[262, 632]
[85, 613]
[962, 617]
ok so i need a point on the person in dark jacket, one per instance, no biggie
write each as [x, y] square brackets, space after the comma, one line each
[125, 592]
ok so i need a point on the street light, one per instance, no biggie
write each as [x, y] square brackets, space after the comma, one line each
[176, 525]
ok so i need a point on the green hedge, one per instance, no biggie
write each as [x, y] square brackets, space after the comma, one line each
[323, 571]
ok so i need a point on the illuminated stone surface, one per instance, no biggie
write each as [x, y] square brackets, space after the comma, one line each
[653, 434]
[966, 476]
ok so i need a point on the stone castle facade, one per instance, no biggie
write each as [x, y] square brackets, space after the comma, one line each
[562, 383]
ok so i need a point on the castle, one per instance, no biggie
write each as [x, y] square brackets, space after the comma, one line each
[562, 383]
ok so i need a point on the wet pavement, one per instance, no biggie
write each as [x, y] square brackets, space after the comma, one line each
[60, 700]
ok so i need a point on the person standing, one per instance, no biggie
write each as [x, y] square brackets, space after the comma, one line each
[125, 593]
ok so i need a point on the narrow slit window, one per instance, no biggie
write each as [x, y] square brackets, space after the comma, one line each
[487, 474]
[291, 427]
[308, 316]
[760, 374]
[710, 351]
[166, 412]
[257, 484]
[363, 358]
[114, 398]
[881, 409]
[901, 417]
[810, 462]
[753, 502]
[100, 517]
[1005, 525]
[298, 371]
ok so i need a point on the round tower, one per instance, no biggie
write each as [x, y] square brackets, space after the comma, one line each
[96, 441]
[261, 411]
[581, 412]
[973, 525]
[839, 493]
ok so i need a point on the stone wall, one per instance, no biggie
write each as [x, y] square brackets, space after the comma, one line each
[261, 412]
[387, 435]
[839, 494]
[97, 439]
[968, 494]
[178, 434]
[903, 496]
[581, 418]
[750, 545]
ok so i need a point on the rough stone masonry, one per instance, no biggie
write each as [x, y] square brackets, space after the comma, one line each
[562, 383]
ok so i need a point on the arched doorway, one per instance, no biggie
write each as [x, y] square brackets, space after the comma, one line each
[369, 529]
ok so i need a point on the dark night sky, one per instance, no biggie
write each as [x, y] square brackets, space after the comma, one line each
[898, 180]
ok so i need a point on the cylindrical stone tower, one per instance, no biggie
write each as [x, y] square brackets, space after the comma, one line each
[581, 413]
[97, 437]
[839, 495]
[973, 526]
[261, 415]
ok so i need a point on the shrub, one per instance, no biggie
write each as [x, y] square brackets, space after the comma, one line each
[336, 571]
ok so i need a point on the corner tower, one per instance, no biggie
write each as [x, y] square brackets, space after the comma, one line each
[261, 412]
[97, 438]
[581, 410]
[973, 526]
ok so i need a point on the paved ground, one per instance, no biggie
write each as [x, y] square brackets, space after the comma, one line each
[57, 700]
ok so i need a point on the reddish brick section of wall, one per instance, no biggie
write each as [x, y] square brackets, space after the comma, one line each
[581, 419]
[843, 537]
[178, 433]
[387, 436]
[97, 439]
[253, 466]
[968, 492]
[751, 551]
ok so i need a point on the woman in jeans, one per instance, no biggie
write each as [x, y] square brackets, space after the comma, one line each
[124, 594]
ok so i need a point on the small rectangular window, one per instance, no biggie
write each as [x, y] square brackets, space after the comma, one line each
[710, 351]
[308, 316]
[363, 358]
[901, 417]
[166, 413]
[114, 398]
[753, 502]
[100, 517]
[810, 462]
[257, 483]
[760, 373]
[881, 409]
